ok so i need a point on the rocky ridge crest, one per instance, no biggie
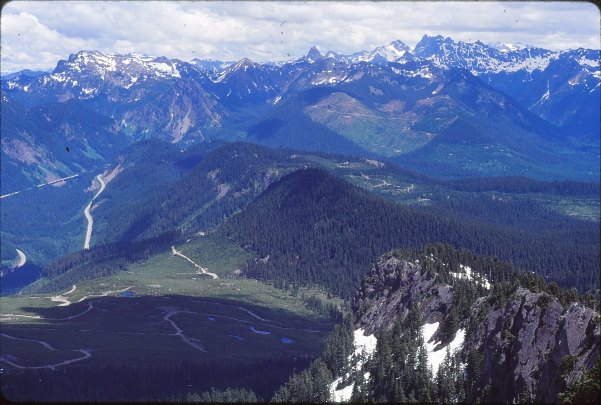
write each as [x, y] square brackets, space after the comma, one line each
[525, 344]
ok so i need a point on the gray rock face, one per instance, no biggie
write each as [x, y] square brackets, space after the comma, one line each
[524, 345]
[531, 348]
[389, 289]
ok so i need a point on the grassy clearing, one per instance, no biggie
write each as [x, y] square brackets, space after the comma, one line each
[586, 209]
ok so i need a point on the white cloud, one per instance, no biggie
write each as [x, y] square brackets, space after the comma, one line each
[27, 42]
[36, 34]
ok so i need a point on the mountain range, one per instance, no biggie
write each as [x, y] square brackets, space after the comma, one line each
[443, 108]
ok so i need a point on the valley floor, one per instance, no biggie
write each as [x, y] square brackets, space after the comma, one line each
[163, 311]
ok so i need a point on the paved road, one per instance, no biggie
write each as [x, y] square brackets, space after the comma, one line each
[22, 259]
[86, 212]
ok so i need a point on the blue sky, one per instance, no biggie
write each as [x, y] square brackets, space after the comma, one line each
[36, 34]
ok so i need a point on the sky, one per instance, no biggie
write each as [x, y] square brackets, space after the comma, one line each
[37, 34]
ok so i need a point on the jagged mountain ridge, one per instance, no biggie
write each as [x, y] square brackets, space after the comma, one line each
[546, 82]
[480, 59]
[477, 57]
[187, 102]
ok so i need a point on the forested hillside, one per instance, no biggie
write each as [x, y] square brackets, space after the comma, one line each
[340, 227]
[147, 172]
[313, 228]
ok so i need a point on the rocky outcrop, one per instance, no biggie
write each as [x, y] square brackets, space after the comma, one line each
[524, 346]
[532, 347]
[391, 287]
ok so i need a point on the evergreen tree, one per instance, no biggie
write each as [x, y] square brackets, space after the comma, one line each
[445, 380]
[321, 379]
[586, 389]
[423, 381]
[339, 347]
[361, 393]
[282, 394]
[381, 375]
[475, 361]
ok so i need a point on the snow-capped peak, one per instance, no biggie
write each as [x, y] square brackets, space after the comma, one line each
[332, 55]
[507, 47]
[90, 60]
[397, 48]
[480, 58]
[96, 63]
[388, 53]
[211, 67]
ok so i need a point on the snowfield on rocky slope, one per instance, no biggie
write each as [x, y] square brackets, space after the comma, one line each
[365, 346]
[436, 357]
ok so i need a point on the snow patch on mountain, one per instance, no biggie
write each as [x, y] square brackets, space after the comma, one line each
[436, 357]
[327, 78]
[507, 47]
[94, 68]
[584, 61]
[465, 273]
[480, 58]
[389, 53]
[423, 72]
[364, 348]
[364, 345]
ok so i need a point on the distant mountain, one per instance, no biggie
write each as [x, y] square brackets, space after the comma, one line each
[313, 55]
[246, 82]
[508, 47]
[423, 117]
[211, 67]
[480, 58]
[51, 141]
[560, 86]
[531, 110]
[91, 106]
[23, 73]
[388, 53]
[88, 73]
